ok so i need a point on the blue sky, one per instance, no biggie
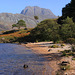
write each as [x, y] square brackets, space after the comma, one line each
[16, 6]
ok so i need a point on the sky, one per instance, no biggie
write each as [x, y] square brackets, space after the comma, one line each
[16, 6]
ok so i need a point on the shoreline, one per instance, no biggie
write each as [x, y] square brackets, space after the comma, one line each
[53, 56]
[44, 53]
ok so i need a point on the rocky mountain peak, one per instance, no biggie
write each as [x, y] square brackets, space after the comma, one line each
[27, 14]
[37, 11]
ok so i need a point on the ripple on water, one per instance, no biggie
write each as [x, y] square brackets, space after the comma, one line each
[13, 57]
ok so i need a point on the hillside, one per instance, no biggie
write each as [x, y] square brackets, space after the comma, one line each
[37, 11]
[7, 19]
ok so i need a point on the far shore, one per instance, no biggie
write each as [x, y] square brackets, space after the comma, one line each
[53, 56]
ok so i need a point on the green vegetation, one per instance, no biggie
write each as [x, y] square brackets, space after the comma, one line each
[67, 53]
[73, 48]
[8, 32]
[50, 30]
[60, 41]
[54, 46]
[14, 36]
[20, 23]
[56, 30]
[60, 72]
[73, 58]
[66, 67]
[7, 39]
[69, 10]
[67, 29]
[62, 44]
[46, 30]
[36, 17]
[70, 40]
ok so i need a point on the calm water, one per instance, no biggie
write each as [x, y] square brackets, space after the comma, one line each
[13, 57]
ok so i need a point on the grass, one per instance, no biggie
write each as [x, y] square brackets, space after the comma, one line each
[58, 50]
[67, 53]
[10, 36]
[67, 67]
[36, 41]
[62, 44]
[73, 58]
[54, 46]
[59, 72]
[60, 41]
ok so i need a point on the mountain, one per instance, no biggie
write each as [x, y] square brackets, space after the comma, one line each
[37, 11]
[7, 19]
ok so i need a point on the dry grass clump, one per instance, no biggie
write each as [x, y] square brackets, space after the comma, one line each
[12, 37]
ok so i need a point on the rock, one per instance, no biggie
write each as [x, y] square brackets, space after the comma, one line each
[49, 50]
[65, 63]
[7, 19]
[25, 66]
[37, 11]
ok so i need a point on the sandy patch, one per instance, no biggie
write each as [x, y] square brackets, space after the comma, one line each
[53, 56]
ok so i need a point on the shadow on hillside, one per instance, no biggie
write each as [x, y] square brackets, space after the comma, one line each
[12, 31]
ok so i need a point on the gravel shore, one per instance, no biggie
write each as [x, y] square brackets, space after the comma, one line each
[53, 56]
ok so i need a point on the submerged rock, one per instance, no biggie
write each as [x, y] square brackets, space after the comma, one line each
[25, 66]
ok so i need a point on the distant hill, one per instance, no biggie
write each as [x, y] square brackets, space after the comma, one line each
[7, 19]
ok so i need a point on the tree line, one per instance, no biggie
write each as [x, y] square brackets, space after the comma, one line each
[50, 30]
[62, 28]
[55, 30]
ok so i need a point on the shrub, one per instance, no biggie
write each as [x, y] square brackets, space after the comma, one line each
[65, 67]
[60, 41]
[73, 58]
[71, 40]
[62, 44]
[71, 54]
[58, 50]
[54, 46]
[36, 41]
[73, 48]
[60, 72]
[67, 53]
[64, 54]
[36, 17]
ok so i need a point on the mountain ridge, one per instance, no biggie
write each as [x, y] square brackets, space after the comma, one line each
[37, 11]
[27, 14]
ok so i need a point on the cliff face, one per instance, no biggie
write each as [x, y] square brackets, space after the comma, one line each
[7, 19]
[37, 11]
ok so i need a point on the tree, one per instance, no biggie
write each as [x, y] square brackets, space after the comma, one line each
[46, 30]
[19, 24]
[14, 25]
[36, 17]
[69, 10]
[67, 29]
[68, 20]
